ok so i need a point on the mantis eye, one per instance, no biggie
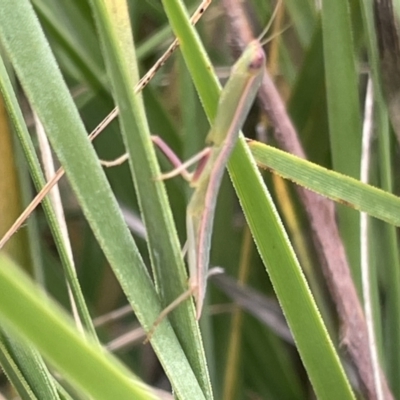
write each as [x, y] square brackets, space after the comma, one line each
[256, 58]
[258, 61]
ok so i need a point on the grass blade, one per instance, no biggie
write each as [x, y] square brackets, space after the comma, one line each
[67, 135]
[331, 184]
[30, 312]
[272, 245]
[343, 113]
[164, 247]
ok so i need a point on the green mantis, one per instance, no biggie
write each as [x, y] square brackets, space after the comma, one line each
[234, 105]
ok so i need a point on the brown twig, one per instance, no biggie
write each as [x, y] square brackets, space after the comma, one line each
[321, 214]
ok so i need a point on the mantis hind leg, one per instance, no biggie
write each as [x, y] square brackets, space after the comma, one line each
[178, 301]
[164, 313]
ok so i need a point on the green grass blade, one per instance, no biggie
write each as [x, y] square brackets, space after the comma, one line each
[164, 247]
[307, 105]
[313, 341]
[82, 361]
[76, 37]
[311, 337]
[29, 52]
[14, 374]
[25, 368]
[16, 116]
[389, 243]
[343, 113]
[196, 59]
[302, 14]
[331, 184]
